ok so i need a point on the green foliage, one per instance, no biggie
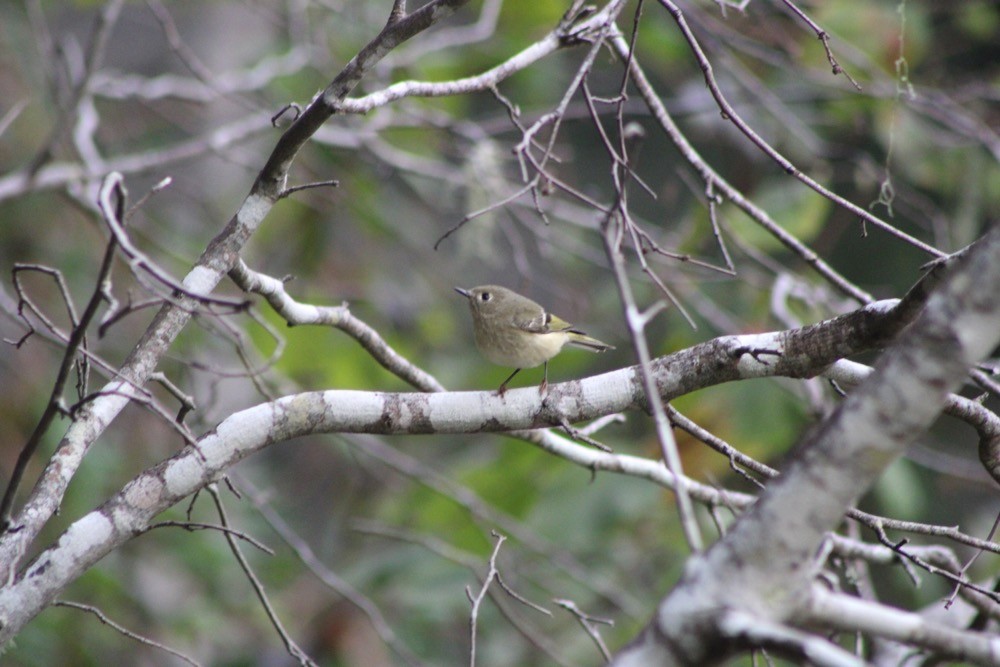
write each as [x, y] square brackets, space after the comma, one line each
[408, 173]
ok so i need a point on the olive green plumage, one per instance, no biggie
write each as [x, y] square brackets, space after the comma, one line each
[512, 330]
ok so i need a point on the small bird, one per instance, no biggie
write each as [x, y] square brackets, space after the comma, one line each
[512, 330]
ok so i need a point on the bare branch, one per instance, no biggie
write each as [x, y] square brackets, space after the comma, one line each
[290, 645]
[477, 599]
[123, 630]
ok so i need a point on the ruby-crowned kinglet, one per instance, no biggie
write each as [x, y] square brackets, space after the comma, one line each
[512, 330]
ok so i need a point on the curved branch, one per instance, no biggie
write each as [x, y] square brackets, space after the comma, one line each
[830, 469]
[215, 262]
[248, 431]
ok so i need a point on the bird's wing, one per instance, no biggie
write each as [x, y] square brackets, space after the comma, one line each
[540, 322]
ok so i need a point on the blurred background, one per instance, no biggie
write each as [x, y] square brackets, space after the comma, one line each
[187, 90]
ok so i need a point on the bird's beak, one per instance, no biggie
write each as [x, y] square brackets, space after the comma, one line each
[464, 292]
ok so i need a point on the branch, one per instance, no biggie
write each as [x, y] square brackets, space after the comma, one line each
[216, 261]
[111, 210]
[329, 578]
[296, 313]
[117, 627]
[831, 468]
[290, 645]
[397, 30]
[796, 353]
[850, 614]
[720, 186]
[477, 600]
[729, 113]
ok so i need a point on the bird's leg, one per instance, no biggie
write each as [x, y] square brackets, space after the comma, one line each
[503, 386]
[545, 380]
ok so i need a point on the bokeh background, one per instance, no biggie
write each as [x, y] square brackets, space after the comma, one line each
[187, 90]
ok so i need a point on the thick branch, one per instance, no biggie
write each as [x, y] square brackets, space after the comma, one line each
[764, 564]
[220, 256]
[246, 432]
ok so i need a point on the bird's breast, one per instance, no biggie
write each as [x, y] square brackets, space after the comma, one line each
[520, 349]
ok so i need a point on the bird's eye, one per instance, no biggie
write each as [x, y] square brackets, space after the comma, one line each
[485, 296]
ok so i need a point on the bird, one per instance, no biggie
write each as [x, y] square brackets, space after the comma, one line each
[512, 330]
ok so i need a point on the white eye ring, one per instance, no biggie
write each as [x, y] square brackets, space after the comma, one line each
[485, 296]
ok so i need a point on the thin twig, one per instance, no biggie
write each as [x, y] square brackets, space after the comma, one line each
[123, 630]
[729, 113]
[588, 623]
[112, 186]
[478, 598]
[193, 526]
[824, 37]
[713, 179]
[329, 578]
[290, 645]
